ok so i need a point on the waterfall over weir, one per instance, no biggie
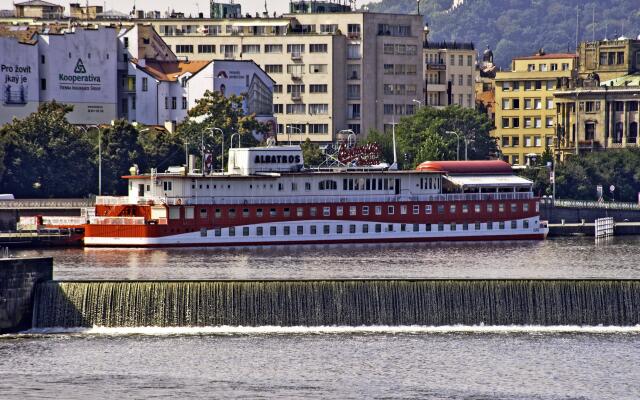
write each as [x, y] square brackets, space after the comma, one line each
[337, 302]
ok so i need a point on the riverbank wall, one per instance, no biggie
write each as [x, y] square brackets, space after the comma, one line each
[18, 280]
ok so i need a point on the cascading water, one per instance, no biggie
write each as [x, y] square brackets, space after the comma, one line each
[337, 303]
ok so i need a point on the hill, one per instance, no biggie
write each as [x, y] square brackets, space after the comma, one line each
[520, 27]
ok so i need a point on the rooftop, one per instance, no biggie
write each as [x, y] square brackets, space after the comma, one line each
[36, 3]
[547, 56]
[170, 70]
[626, 80]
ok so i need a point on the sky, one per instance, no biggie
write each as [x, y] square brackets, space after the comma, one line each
[186, 6]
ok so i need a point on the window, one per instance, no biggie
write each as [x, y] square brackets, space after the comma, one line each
[548, 122]
[299, 229]
[313, 211]
[259, 231]
[184, 103]
[318, 109]
[184, 48]
[452, 60]
[353, 51]
[43, 84]
[378, 228]
[391, 210]
[416, 209]
[326, 229]
[326, 211]
[174, 103]
[318, 48]
[531, 67]
[278, 109]
[312, 229]
[353, 92]
[277, 88]
[145, 84]
[365, 210]
[317, 68]
[206, 48]
[295, 48]
[232, 231]
[273, 48]
[251, 48]
[272, 231]
[318, 88]
[318, 128]
[296, 108]
[273, 68]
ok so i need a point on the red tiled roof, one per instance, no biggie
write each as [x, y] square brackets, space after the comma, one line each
[467, 167]
[170, 70]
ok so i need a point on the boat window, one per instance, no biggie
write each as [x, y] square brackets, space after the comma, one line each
[390, 228]
[325, 229]
[273, 212]
[174, 212]
[476, 208]
[280, 186]
[313, 211]
[287, 230]
[525, 207]
[245, 212]
[440, 226]
[427, 227]
[391, 210]
[328, 185]
[501, 225]
[287, 212]
[245, 231]
[365, 210]
[427, 209]
[299, 211]
[259, 212]
[272, 230]
[514, 207]
[514, 224]
[218, 232]
[294, 186]
[353, 210]
[477, 226]
[525, 224]
[307, 186]
[403, 227]
[300, 229]
[312, 229]
[490, 207]
[339, 211]
[259, 231]
[352, 228]
[232, 213]
[452, 208]
[465, 208]
[452, 227]
[339, 229]
[203, 213]
[365, 228]
[378, 210]
[416, 227]
[440, 208]
[489, 225]
[403, 209]
[232, 231]
[416, 209]
[501, 207]
[326, 211]
[189, 213]
[378, 228]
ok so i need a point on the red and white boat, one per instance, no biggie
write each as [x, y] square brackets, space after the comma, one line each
[266, 197]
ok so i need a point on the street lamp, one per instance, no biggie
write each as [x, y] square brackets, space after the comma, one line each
[84, 128]
[352, 134]
[212, 129]
[458, 148]
[288, 128]
[417, 101]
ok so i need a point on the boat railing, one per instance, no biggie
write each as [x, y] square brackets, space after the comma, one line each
[112, 200]
[117, 220]
[306, 199]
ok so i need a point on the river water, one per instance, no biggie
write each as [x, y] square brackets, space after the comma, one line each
[335, 362]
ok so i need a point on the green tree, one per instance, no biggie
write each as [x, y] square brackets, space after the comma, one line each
[226, 113]
[160, 149]
[311, 153]
[427, 135]
[120, 150]
[45, 156]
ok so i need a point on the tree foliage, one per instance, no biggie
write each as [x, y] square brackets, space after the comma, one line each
[311, 153]
[520, 27]
[46, 156]
[225, 113]
[427, 136]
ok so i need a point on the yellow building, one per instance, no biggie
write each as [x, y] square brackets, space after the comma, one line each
[524, 110]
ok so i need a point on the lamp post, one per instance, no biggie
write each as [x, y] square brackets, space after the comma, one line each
[352, 134]
[458, 148]
[419, 103]
[84, 128]
[211, 130]
[288, 128]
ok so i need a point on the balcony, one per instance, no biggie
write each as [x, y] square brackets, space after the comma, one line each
[296, 55]
[296, 76]
[353, 35]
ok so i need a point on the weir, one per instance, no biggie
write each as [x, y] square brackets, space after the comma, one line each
[430, 302]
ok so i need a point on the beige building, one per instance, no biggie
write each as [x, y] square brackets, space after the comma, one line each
[450, 73]
[334, 71]
[609, 59]
[525, 114]
[38, 9]
[77, 11]
[607, 115]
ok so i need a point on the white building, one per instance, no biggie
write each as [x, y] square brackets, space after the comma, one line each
[74, 66]
[161, 92]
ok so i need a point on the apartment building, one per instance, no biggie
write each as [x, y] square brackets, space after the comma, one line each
[609, 59]
[450, 74]
[606, 117]
[334, 70]
[525, 114]
[38, 9]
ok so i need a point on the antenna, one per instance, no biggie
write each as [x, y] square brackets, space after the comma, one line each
[577, 26]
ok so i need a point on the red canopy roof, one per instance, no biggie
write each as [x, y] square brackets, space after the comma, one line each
[467, 167]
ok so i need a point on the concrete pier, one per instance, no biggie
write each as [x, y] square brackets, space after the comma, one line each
[18, 280]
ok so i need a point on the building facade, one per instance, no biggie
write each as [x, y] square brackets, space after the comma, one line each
[606, 116]
[76, 67]
[450, 74]
[525, 114]
[609, 59]
[333, 71]
[38, 9]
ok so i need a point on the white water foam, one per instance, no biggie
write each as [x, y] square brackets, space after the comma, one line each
[318, 330]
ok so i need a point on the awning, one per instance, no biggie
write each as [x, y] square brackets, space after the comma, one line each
[488, 180]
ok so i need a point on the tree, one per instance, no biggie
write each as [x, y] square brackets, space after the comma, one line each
[311, 153]
[160, 149]
[226, 113]
[45, 156]
[120, 151]
[426, 135]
